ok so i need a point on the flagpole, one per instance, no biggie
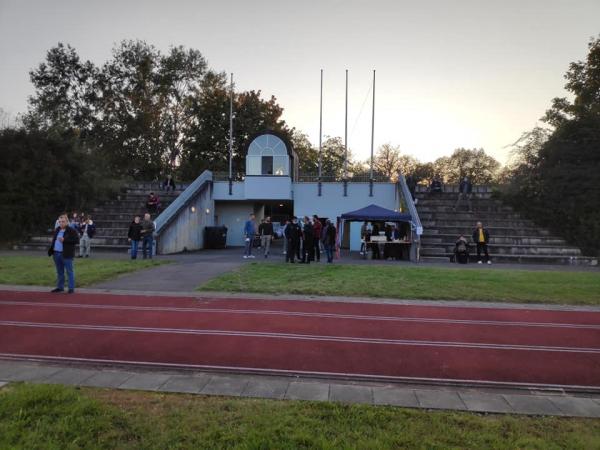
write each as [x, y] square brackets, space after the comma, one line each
[320, 135]
[346, 141]
[372, 138]
[231, 137]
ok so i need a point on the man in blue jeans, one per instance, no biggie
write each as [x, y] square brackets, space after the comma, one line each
[249, 232]
[62, 250]
[147, 236]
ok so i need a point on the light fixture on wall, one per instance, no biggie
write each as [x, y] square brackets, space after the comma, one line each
[193, 209]
[207, 211]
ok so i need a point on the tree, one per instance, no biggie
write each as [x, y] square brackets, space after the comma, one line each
[147, 112]
[42, 175]
[308, 156]
[333, 157]
[387, 161]
[556, 173]
[476, 164]
[583, 81]
[66, 92]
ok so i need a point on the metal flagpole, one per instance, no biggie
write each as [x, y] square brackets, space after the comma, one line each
[231, 137]
[346, 141]
[372, 139]
[321, 135]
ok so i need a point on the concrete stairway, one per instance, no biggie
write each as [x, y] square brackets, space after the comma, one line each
[112, 218]
[513, 239]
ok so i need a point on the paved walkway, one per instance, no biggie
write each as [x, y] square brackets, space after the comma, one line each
[487, 400]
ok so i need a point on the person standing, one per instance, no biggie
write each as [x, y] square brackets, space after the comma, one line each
[328, 239]
[249, 232]
[62, 250]
[147, 236]
[308, 247]
[265, 230]
[318, 229]
[285, 242]
[465, 191]
[134, 235]
[292, 235]
[481, 237]
[169, 183]
[87, 229]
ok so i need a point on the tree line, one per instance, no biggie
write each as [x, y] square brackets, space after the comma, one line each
[145, 113]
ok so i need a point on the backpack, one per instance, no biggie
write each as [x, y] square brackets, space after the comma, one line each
[461, 247]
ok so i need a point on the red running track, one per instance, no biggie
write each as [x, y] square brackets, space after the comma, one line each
[493, 345]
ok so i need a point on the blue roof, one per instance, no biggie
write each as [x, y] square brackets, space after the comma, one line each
[374, 212]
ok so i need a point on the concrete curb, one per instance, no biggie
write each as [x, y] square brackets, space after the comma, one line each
[335, 299]
[492, 401]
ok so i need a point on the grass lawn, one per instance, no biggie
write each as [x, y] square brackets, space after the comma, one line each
[576, 288]
[57, 417]
[40, 271]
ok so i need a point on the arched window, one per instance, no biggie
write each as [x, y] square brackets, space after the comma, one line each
[267, 155]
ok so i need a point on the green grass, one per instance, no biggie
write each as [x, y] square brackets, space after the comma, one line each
[57, 417]
[40, 271]
[581, 288]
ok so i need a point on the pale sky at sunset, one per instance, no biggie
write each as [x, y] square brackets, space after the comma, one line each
[449, 73]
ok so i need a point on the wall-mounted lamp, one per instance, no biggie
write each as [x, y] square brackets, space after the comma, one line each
[207, 211]
[193, 209]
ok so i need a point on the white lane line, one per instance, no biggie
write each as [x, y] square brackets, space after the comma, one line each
[21, 356]
[306, 314]
[303, 337]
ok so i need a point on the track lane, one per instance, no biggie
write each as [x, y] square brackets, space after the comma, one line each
[458, 343]
[471, 332]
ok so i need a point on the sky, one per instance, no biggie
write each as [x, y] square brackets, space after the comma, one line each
[449, 74]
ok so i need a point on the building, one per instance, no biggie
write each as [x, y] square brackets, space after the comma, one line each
[270, 187]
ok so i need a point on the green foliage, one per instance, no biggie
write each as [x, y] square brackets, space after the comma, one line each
[496, 285]
[145, 112]
[475, 164]
[56, 417]
[555, 178]
[41, 176]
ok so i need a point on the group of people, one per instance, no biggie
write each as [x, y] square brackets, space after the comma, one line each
[302, 239]
[84, 227]
[141, 231]
[481, 238]
[391, 231]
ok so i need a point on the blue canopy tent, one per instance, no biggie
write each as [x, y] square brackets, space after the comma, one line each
[375, 213]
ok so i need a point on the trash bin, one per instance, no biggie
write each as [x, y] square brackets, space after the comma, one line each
[215, 237]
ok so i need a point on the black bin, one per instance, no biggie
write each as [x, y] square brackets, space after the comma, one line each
[215, 237]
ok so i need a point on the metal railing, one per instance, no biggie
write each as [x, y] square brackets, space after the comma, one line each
[182, 200]
[415, 221]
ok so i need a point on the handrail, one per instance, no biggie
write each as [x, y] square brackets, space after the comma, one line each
[181, 201]
[412, 209]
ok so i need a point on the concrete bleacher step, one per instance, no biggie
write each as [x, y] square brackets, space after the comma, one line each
[112, 218]
[513, 239]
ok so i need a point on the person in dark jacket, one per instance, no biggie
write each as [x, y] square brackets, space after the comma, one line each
[328, 238]
[134, 235]
[465, 191]
[292, 234]
[62, 249]
[308, 248]
[147, 236]
[318, 228]
[265, 231]
[87, 229]
[481, 237]
[169, 183]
